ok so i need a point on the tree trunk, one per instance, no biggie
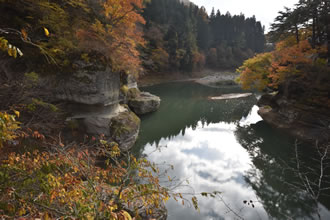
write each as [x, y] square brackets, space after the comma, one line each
[297, 33]
[313, 36]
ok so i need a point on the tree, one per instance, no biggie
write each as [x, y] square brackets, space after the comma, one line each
[62, 31]
[312, 16]
[189, 30]
[287, 23]
[273, 68]
[254, 73]
[116, 35]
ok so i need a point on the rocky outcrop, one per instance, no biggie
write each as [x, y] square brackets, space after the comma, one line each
[301, 107]
[139, 102]
[92, 94]
[144, 103]
[124, 129]
[92, 84]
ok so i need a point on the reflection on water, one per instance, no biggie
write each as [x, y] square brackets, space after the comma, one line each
[222, 145]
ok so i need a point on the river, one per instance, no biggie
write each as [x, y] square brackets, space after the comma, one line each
[223, 145]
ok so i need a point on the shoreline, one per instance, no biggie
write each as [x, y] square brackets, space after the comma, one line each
[205, 77]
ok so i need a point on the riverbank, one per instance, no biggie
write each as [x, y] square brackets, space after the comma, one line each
[204, 77]
[300, 107]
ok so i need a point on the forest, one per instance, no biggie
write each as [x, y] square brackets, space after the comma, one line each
[160, 36]
[185, 38]
[66, 64]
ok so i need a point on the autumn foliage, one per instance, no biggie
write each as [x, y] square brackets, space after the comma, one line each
[42, 176]
[117, 34]
[273, 68]
[96, 182]
[8, 127]
[58, 32]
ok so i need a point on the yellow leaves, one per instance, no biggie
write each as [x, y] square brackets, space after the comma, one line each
[8, 127]
[75, 169]
[46, 32]
[21, 212]
[195, 202]
[115, 151]
[3, 44]
[17, 113]
[103, 142]
[271, 69]
[89, 217]
[125, 215]
[71, 183]
[11, 50]
[46, 216]
[254, 72]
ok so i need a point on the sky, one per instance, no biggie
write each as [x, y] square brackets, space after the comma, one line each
[264, 10]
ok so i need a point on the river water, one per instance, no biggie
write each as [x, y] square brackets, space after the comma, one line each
[223, 145]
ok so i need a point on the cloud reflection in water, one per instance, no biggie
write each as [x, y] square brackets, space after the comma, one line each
[212, 159]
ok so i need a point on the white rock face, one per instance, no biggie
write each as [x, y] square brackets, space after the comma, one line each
[144, 103]
[90, 86]
[93, 96]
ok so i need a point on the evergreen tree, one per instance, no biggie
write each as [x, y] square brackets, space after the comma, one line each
[190, 35]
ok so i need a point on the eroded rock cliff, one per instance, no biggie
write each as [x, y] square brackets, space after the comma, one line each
[301, 107]
[93, 97]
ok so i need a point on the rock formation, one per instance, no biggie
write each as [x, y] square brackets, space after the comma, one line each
[301, 107]
[92, 94]
[139, 102]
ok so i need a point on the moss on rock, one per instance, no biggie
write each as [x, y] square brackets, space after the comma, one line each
[133, 93]
[124, 129]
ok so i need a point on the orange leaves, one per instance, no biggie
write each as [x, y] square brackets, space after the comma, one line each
[37, 135]
[123, 12]
[24, 34]
[271, 69]
[296, 54]
[68, 183]
[287, 58]
[118, 36]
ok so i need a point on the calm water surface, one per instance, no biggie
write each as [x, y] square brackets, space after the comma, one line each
[224, 145]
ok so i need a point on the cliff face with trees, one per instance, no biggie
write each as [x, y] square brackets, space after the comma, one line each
[64, 79]
[85, 52]
[297, 71]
